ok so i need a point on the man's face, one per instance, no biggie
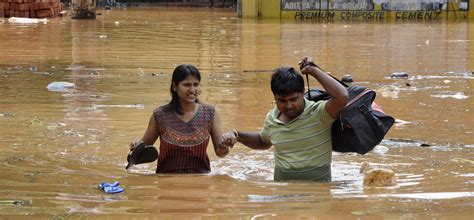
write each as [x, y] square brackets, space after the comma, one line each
[291, 105]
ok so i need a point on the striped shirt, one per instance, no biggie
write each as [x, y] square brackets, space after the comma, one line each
[303, 147]
[183, 145]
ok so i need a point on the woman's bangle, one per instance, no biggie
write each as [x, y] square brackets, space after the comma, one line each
[236, 133]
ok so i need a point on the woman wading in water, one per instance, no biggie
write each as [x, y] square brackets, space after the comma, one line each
[184, 127]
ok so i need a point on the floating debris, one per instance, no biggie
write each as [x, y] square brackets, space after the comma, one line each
[156, 74]
[389, 91]
[457, 95]
[377, 177]
[399, 75]
[359, 213]
[7, 114]
[60, 86]
[347, 79]
[141, 72]
[141, 106]
[276, 198]
[36, 121]
[15, 202]
[462, 160]
[43, 73]
[405, 142]
[258, 71]
[54, 126]
[380, 149]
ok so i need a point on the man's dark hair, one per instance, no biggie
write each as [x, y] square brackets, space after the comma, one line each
[286, 81]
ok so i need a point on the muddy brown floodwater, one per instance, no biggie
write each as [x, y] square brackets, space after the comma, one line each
[57, 146]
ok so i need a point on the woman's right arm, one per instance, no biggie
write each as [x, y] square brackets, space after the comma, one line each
[151, 133]
[150, 136]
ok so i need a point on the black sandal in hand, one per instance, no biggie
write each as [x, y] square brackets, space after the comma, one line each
[141, 153]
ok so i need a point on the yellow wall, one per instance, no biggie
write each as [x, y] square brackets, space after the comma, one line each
[271, 9]
[470, 35]
[471, 9]
[249, 8]
[261, 8]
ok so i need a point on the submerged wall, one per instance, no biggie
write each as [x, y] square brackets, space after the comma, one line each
[330, 10]
[30, 8]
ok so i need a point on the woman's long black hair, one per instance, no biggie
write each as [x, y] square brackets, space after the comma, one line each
[180, 73]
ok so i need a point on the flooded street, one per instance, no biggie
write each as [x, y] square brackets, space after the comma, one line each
[57, 146]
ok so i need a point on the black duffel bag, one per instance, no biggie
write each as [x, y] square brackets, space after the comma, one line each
[361, 124]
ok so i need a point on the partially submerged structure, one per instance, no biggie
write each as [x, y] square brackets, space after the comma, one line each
[83, 9]
[30, 8]
[362, 10]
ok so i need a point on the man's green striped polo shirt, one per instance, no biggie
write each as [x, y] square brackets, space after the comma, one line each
[303, 147]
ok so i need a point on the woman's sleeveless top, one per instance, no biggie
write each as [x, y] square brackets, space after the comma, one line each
[183, 145]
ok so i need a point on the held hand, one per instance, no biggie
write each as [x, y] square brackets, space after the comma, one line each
[133, 144]
[229, 138]
[222, 150]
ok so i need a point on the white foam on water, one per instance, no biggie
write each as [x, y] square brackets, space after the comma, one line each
[27, 20]
[280, 198]
[467, 175]
[140, 106]
[401, 122]
[380, 149]
[254, 166]
[439, 195]
[457, 95]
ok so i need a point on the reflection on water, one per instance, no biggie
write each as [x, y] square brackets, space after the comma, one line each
[57, 146]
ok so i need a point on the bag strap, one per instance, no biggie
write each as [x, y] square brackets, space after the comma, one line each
[341, 82]
[307, 78]
[309, 90]
[374, 124]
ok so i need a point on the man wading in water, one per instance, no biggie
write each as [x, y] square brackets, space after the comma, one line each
[299, 129]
